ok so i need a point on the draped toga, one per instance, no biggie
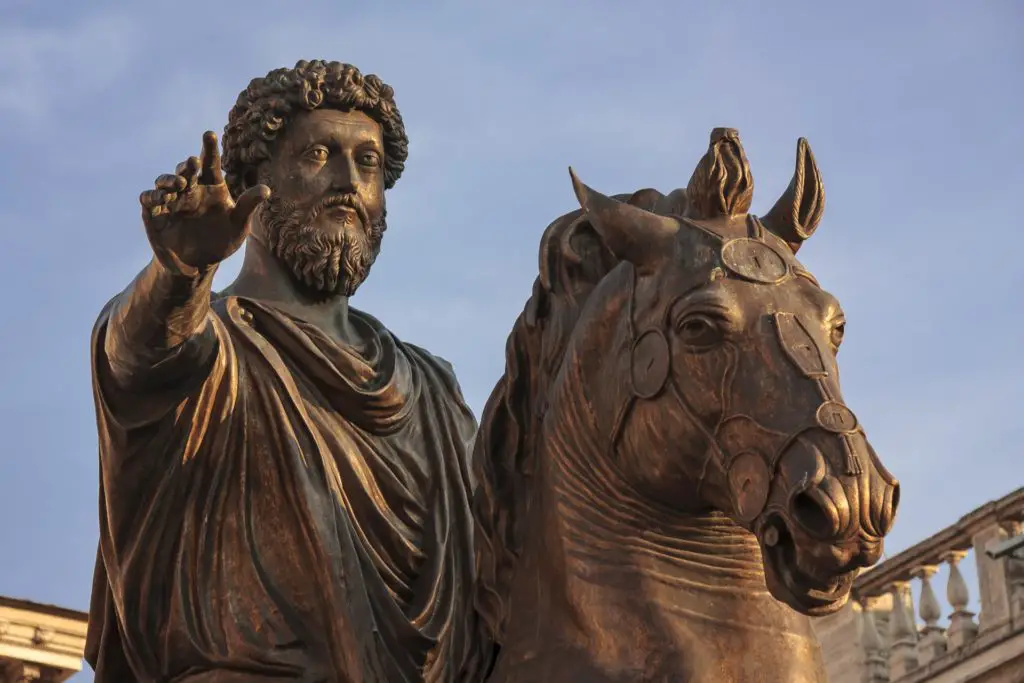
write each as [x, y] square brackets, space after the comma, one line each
[277, 506]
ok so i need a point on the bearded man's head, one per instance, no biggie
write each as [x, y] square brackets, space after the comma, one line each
[328, 141]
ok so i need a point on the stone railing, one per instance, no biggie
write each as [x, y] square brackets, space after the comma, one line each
[883, 637]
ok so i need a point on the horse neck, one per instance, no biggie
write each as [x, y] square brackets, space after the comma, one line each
[605, 563]
[608, 524]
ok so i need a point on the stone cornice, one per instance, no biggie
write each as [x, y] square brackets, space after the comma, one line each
[44, 636]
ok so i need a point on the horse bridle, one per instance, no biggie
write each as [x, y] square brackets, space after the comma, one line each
[749, 474]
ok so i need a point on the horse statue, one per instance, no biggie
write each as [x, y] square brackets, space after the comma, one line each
[670, 483]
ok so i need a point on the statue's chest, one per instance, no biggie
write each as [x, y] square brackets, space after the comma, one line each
[376, 494]
[384, 487]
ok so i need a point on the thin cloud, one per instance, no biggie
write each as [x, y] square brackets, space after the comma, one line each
[42, 67]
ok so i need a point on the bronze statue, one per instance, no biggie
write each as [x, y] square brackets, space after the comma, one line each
[284, 484]
[669, 439]
[287, 491]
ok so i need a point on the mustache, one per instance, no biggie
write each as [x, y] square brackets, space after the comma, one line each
[352, 201]
[322, 263]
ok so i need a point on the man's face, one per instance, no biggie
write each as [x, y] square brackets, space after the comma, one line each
[326, 216]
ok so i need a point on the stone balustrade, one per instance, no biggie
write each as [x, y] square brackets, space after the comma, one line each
[884, 637]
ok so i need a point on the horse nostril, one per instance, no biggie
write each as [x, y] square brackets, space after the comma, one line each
[813, 515]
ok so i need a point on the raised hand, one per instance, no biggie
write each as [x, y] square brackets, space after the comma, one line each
[190, 218]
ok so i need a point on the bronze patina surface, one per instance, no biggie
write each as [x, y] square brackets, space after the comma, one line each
[284, 483]
[670, 481]
[665, 483]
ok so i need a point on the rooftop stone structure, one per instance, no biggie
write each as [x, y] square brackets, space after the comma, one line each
[39, 642]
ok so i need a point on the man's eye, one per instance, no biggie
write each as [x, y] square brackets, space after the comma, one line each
[317, 154]
[369, 159]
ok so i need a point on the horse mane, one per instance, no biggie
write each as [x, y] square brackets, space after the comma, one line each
[573, 260]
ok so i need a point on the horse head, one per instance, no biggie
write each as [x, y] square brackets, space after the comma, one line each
[728, 397]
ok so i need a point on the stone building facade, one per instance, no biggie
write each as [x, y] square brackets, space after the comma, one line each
[873, 641]
[39, 643]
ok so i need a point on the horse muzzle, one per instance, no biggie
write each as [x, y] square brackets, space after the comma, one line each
[829, 523]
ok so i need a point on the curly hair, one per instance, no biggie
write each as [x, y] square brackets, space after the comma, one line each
[263, 109]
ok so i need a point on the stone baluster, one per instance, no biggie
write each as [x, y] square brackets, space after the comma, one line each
[932, 643]
[903, 648]
[992, 579]
[876, 669]
[1015, 573]
[962, 628]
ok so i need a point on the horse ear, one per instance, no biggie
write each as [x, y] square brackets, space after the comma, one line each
[796, 215]
[631, 233]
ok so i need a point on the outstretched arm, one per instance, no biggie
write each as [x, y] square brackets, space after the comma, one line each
[159, 324]
[161, 317]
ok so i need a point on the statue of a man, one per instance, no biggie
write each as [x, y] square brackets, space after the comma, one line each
[284, 484]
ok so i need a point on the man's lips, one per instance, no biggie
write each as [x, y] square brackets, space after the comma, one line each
[341, 212]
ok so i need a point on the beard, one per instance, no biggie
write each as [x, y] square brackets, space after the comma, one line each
[322, 264]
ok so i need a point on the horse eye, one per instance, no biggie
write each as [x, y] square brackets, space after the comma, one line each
[699, 330]
[836, 336]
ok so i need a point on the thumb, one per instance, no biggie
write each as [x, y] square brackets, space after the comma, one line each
[247, 203]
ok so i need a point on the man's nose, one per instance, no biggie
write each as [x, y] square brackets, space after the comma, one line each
[344, 175]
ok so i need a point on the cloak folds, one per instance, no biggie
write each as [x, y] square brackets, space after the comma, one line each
[276, 506]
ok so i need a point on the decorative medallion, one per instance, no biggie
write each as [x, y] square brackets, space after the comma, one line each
[749, 480]
[835, 417]
[650, 364]
[754, 260]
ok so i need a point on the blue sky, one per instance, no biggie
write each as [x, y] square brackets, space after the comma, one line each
[913, 110]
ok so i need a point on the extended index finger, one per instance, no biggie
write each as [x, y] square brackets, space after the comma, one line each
[211, 173]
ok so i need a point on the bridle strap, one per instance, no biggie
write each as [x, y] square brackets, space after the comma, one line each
[831, 415]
